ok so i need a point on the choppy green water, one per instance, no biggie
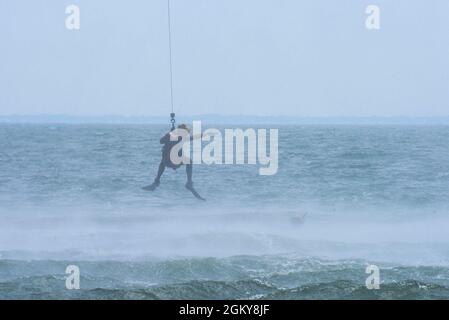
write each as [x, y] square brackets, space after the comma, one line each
[240, 277]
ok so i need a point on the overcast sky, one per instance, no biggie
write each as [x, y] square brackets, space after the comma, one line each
[262, 57]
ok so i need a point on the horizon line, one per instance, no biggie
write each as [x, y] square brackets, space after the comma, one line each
[225, 119]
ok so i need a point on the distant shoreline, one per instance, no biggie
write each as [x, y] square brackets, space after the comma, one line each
[221, 119]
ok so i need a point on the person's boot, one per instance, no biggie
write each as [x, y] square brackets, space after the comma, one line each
[152, 186]
[189, 185]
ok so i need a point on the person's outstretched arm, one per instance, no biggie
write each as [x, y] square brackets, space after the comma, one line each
[198, 136]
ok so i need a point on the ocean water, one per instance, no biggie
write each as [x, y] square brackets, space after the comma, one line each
[372, 195]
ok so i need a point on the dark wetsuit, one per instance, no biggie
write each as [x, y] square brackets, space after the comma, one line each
[166, 150]
[167, 163]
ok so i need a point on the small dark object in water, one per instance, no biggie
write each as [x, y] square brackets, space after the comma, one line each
[299, 219]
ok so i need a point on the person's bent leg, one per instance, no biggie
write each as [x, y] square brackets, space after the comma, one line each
[189, 171]
[189, 184]
[157, 180]
[160, 171]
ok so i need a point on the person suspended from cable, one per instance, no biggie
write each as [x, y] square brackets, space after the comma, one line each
[169, 141]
